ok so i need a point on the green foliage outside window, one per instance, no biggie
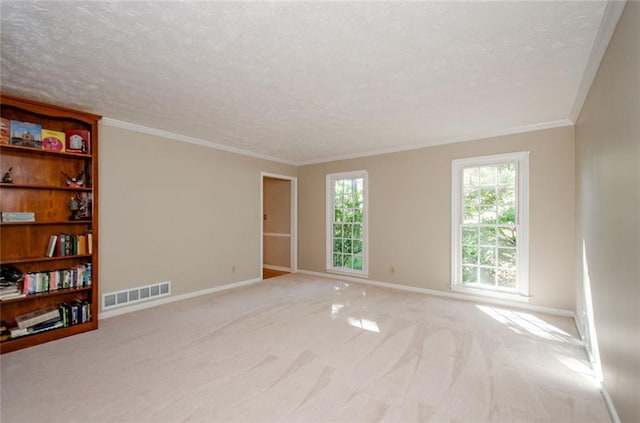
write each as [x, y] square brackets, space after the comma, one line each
[489, 239]
[347, 225]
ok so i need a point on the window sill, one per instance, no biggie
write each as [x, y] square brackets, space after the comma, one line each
[347, 273]
[515, 296]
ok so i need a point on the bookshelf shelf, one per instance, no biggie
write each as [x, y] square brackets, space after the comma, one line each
[39, 186]
[42, 337]
[31, 186]
[56, 222]
[57, 292]
[28, 150]
[37, 259]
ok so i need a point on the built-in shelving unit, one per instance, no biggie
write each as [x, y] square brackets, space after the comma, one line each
[39, 187]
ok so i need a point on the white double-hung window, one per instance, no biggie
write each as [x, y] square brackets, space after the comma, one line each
[490, 224]
[347, 222]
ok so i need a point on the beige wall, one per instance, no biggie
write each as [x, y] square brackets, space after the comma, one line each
[608, 211]
[410, 213]
[277, 208]
[176, 211]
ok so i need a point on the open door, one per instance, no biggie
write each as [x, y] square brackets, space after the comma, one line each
[279, 213]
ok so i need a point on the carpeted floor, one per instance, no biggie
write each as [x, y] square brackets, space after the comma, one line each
[303, 348]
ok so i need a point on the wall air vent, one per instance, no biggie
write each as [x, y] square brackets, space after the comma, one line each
[135, 295]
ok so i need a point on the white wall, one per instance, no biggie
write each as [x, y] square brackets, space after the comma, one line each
[176, 211]
[410, 213]
[608, 211]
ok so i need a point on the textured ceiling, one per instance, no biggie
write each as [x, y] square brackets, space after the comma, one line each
[310, 81]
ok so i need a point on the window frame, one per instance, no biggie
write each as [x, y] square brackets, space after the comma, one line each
[521, 161]
[330, 206]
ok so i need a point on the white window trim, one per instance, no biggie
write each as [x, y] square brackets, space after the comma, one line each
[331, 177]
[521, 292]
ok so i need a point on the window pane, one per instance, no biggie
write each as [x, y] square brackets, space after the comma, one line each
[507, 257]
[337, 245]
[356, 231]
[488, 214]
[347, 231]
[357, 216]
[348, 215]
[487, 196]
[357, 262]
[357, 247]
[507, 236]
[488, 175]
[337, 230]
[346, 246]
[338, 215]
[506, 215]
[469, 274]
[470, 255]
[487, 235]
[487, 256]
[487, 276]
[471, 215]
[469, 236]
[507, 278]
[348, 262]
[507, 174]
[471, 177]
[337, 260]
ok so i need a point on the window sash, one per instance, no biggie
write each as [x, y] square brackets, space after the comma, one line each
[347, 223]
[477, 264]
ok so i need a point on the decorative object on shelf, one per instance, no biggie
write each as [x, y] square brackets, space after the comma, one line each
[79, 206]
[26, 134]
[77, 141]
[72, 182]
[7, 178]
[53, 140]
[74, 206]
[85, 200]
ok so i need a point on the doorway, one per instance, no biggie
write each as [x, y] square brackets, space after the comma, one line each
[279, 225]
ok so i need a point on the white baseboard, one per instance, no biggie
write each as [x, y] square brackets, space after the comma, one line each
[166, 300]
[280, 268]
[452, 295]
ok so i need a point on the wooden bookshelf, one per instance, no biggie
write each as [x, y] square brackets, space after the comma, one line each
[38, 186]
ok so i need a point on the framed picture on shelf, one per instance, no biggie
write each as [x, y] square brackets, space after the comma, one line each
[78, 141]
[26, 134]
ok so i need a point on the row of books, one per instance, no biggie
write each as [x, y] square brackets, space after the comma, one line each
[75, 277]
[27, 134]
[63, 315]
[61, 245]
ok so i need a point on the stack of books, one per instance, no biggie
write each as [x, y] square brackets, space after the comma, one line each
[10, 290]
[37, 321]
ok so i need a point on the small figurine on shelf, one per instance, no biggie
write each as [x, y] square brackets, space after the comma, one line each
[74, 206]
[72, 182]
[7, 178]
[80, 207]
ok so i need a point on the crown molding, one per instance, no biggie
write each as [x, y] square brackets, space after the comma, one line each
[612, 12]
[191, 140]
[490, 134]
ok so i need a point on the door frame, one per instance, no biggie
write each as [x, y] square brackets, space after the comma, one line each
[293, 230]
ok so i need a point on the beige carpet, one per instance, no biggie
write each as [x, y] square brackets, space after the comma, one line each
[302, 348]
